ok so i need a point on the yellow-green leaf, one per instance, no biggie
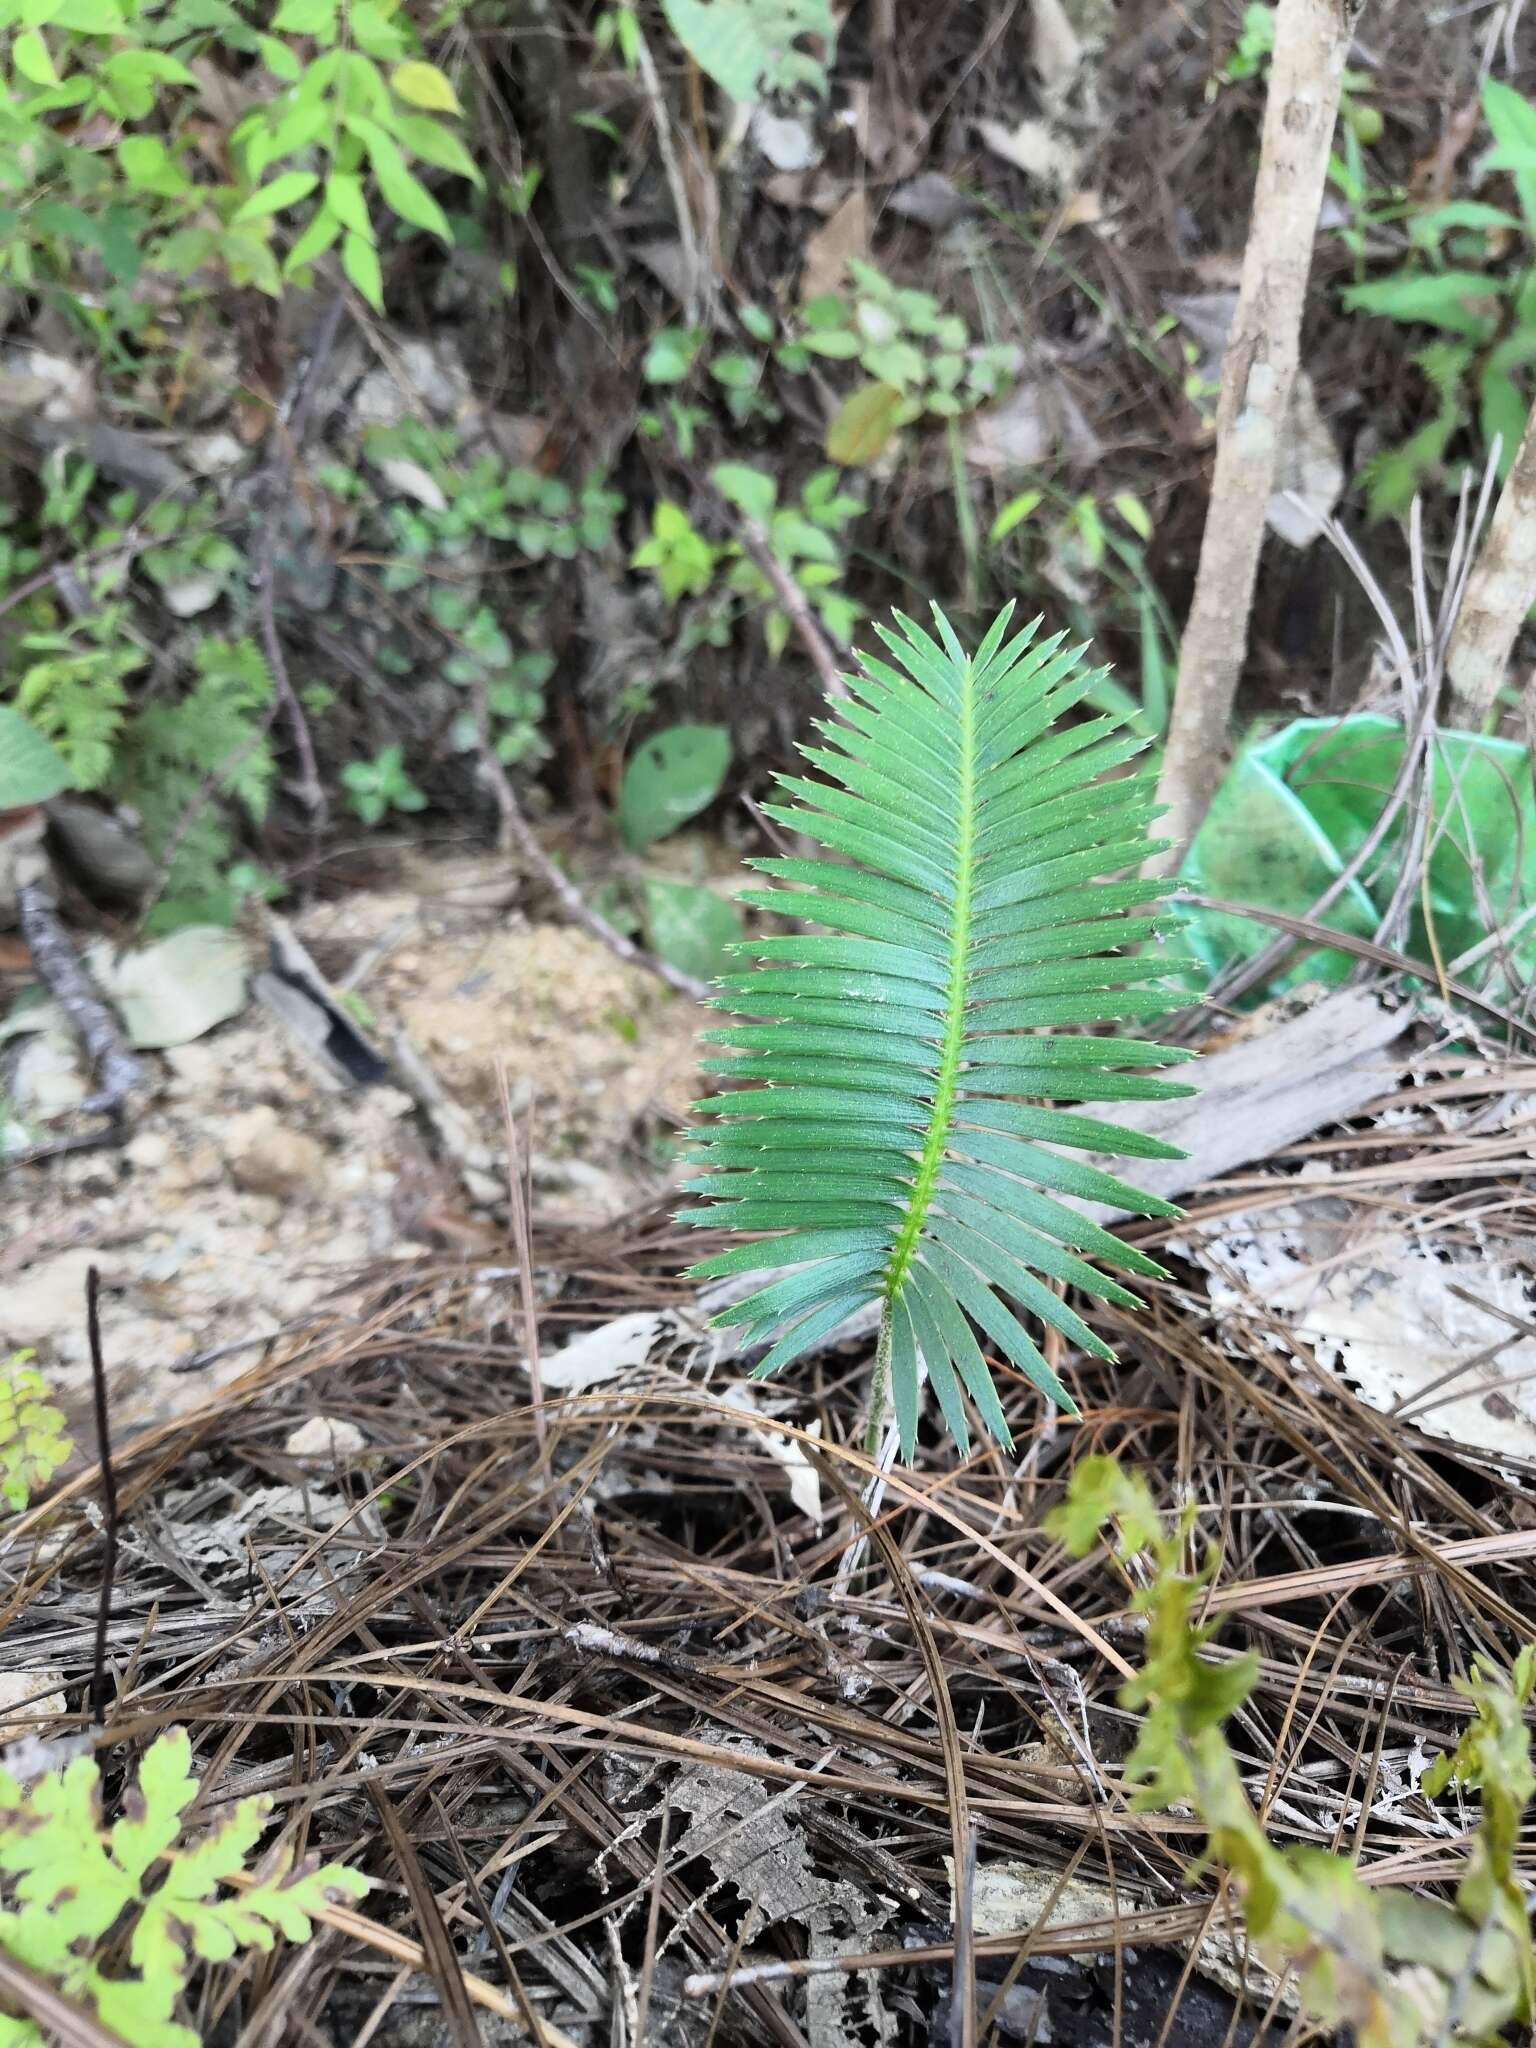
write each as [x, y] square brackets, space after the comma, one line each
[283, 191]
[344, 197]
[403, 192]
[423, 85]
[360, 260]
[31, 58]
[314, 241]
[861, 428]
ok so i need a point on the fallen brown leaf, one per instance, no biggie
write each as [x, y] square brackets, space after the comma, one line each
[828, 250]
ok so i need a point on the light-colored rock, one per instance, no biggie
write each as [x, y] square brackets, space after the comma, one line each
[67, 382]
[199, 592]
[47, 1077]
[212, 454]
[788, 144]
[328, 1437]
[176, 988]
[267, 1157]
[47, 1302]
[197, 1165]
[28, 1692]
[430, 375]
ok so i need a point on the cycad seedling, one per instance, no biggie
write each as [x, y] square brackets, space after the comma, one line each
[904, 1136]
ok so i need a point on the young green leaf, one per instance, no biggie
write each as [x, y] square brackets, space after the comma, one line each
[670, 778]
[31, 768]
[360, 260]
[283, 192]
[901, 1054]
[71, 1881]
[32, 1441]
[423, 85]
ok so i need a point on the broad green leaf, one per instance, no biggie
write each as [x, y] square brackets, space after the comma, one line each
[671, 355]
[754, 47]
[1512, 120]
[374, 31]
[344, 198]
[423, 85]
[89, 17]
[315, 240]
[861, 429]
[753, 491]
[360, 261]
[1460, 301]
[691, 927]
[307, 18]
[31, 768]
[669, 779]
[436, 145]
[283, 192]
[403, 192]
[736, 372]
[1013, 514]
[29, 53]
[279, 59]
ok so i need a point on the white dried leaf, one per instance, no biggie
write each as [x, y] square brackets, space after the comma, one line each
[602, 1354]
[1035, 147]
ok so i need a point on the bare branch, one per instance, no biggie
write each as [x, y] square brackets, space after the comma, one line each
[1312, 38]
[1500, 591]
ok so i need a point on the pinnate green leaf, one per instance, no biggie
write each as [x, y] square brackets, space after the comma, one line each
[31, 768]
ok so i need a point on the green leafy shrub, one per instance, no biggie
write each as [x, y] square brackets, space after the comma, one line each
[68, 1882]
[191, 769]
[377, 787]
[805, 538]
[1455, 278]
[906, 343]
[751, 48]
[32, 1441]
[108, 107]
[443, 549]
[1400, 1970]
[1091, 555]
[899, 1127]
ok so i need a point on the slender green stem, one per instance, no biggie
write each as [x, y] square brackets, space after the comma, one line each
[952, 1048]
[879, 1381]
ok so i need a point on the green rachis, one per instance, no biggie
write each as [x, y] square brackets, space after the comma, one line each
[908, 1128]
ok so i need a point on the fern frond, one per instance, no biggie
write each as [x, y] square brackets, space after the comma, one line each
[908, 1129]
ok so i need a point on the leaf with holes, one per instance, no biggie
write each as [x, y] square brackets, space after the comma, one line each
[751, 48]
[669, 779]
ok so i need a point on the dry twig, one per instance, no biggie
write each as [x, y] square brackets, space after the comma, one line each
[118, 1071]
[1312, 39]
[1500, 592]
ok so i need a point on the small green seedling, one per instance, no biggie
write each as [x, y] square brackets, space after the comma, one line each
[32, 1441]
[903, 1129]
[1392, 1967]
[115, 1917]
